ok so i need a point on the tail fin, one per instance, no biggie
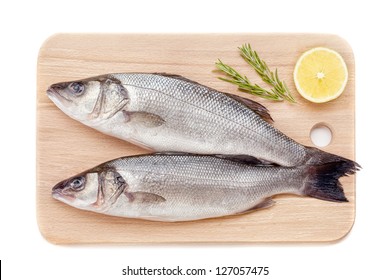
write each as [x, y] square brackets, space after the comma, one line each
[323, 180]
[317, 157]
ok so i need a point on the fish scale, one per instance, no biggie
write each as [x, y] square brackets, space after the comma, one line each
[209, 116]
[197, 187]
[171, 113]
[183, 187]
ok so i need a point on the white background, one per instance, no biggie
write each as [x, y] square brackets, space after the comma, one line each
[25, 25]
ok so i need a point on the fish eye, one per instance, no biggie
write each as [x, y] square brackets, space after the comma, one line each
[77, 88]
[77, 184]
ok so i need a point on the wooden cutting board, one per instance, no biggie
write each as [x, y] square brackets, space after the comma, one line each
[66, 147]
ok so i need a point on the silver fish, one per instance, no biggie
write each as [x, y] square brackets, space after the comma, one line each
[182, 187]
[171, 113]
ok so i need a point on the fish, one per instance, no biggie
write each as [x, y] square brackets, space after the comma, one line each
[174, 187]
[163, 112]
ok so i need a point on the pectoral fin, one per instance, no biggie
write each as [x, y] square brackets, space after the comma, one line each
[144, 197]
[143, 118]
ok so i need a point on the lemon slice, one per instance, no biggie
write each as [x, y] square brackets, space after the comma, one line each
[320, 75]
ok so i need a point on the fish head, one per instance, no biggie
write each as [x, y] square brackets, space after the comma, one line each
[80, 191]
[94, 190]
[90, 100]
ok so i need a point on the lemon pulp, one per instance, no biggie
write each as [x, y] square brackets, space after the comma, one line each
[320, 75]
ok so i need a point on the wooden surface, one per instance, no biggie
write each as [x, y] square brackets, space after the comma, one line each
[66, 147]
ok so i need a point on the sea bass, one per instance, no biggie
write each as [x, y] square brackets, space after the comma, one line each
[182, 187]
[171, 113]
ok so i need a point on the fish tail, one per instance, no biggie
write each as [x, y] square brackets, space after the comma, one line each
[322, 181]
[317, 157]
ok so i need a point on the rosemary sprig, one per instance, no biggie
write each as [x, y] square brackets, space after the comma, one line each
[271, 78]
[279, 90]
[243, 82]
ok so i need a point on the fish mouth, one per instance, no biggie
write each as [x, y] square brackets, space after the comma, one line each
[62, 197]
[53, 94]
[58, 193]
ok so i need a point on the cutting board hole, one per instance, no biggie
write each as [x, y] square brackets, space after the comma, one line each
[321, 135]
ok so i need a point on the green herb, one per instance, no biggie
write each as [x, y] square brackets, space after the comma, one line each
[279, 90]
[243, 82]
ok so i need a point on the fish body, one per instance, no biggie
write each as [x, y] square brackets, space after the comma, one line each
[182, 187]
[171, 113]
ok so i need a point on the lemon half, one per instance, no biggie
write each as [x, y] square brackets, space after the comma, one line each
[320, 75]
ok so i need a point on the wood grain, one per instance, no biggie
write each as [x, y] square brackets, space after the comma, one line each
[66, 147]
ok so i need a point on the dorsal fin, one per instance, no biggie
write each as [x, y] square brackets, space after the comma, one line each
[253, 105]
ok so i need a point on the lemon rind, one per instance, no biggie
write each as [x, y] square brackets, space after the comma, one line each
[328, 98]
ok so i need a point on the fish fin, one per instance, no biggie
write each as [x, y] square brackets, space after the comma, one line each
[322, 181]
[253, 105]
[316, 157]
[145, 118]
[246, 159]
[144, 197]
[265, 203]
